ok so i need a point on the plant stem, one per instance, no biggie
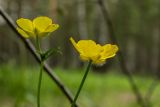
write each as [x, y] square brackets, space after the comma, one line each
[82, 82]
[39, 84]
[41, 69]
[38, 45]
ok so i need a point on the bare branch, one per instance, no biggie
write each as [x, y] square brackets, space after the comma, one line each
[151, 89]
[31, 48]
[120, 55]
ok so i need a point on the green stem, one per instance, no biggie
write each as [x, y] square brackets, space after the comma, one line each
[39, 84]
[81, 85]
[38, 45]
[41, 70]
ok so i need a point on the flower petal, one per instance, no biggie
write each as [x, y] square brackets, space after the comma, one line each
[84, 58]
[41, 23]
[52, 28]
[99, 62]
[89, 48]
[24, 34]
[109, 51]
[98, 54]
[74, 43]
[25, 24]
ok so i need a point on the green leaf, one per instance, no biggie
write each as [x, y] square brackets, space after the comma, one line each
[50, 52]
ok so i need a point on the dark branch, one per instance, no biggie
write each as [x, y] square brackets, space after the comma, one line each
[31, 48]
[120, 56]
[154, 84]
[151, 89]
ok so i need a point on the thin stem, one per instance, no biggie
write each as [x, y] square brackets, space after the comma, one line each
[41, 70]
[39, 84]
[38, 45]
[81, 85]
[150, 91]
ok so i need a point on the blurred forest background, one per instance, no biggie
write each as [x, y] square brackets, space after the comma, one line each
[136, 25]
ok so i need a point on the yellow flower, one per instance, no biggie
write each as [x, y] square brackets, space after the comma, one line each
[89, 50]
[40, 26]
[109, 51]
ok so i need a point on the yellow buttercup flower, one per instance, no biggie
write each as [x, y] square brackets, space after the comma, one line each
[89, 50]
[40, 26]
[109, 51]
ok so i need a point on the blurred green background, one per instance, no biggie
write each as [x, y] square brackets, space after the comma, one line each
[137, 28]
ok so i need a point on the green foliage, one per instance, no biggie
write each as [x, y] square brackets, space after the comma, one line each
[18, 85]
[50, 52]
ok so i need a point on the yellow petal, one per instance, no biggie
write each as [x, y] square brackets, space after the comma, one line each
[109, 51]
[85, 46]
[89, 48]
[52, 28]
[99, 62]
[25, 24]
[24, 34]
[49, 29]
[84, 58]
[41, 23]
[74, 43]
